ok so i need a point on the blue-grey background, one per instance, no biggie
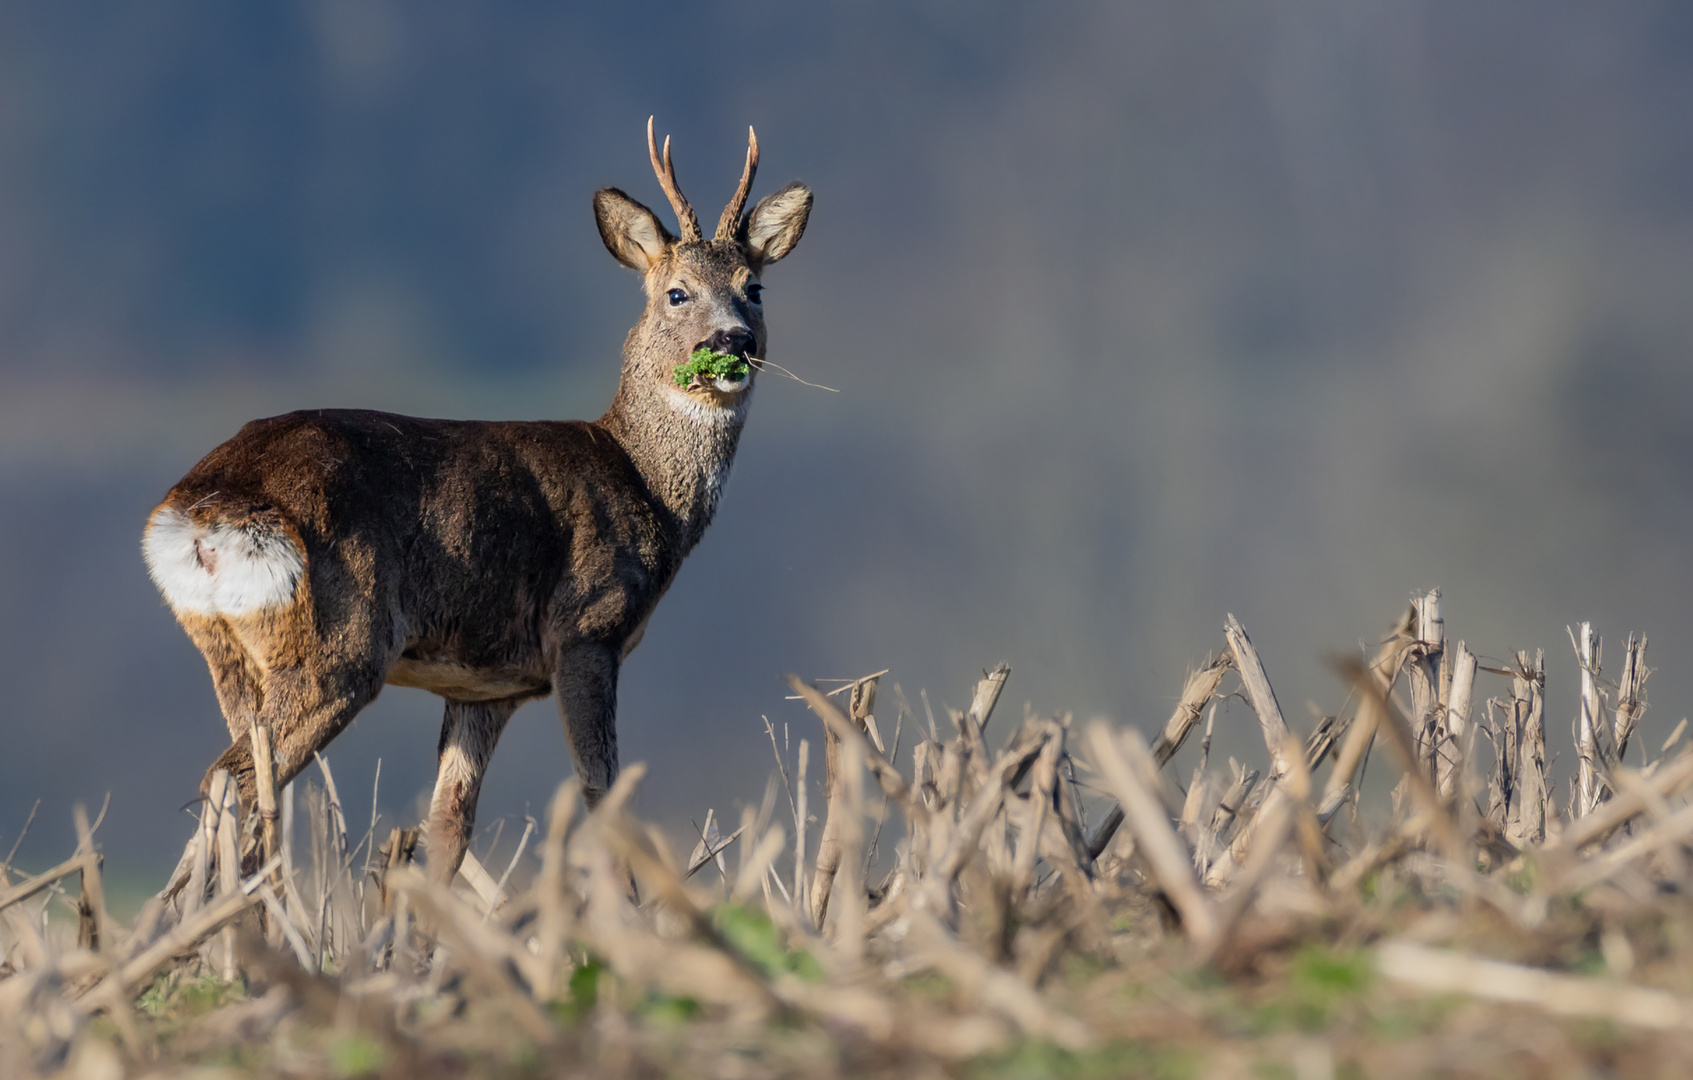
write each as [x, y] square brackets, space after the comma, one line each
[1139, 314]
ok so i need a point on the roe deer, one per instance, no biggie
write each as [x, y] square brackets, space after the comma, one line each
[318, 555]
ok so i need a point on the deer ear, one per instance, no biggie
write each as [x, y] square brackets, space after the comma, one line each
[632, 233]
[777, 222]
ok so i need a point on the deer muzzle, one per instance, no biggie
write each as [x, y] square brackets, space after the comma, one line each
[736, 341]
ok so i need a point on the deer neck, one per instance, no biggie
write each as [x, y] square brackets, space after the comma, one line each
[682, 447]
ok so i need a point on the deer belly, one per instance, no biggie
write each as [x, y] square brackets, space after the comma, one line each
[461, 682]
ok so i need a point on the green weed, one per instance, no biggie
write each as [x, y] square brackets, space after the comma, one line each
[754, 936]
[1035, 1059]
[583, 992]
[356, 1055]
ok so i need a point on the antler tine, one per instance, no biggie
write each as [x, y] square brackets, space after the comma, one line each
[666, 171]
[731, 219]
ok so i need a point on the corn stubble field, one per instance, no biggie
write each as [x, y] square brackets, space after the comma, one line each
[946, 898]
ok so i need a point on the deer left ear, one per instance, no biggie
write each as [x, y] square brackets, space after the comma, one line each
[632, 233]
[777, 222]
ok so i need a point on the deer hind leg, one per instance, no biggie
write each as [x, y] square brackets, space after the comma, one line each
[306, 686]
[585, 681]
[301, 646]
[468, 734]
[305, 709]
[234, 676]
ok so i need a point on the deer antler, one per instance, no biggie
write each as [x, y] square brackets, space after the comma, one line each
[666, 171]
[731, 219]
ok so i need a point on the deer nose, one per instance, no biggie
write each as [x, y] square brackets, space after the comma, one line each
[736, 342]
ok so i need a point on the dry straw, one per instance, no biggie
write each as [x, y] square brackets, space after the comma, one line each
[993, 920]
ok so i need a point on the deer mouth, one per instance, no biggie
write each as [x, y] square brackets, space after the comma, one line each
[716, 374]
[725, 384]
[719, 389]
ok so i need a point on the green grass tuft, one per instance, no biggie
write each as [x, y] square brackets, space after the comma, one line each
[714, 365]
[1034, 1059]
[754, 936]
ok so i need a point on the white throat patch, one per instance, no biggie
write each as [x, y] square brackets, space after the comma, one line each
[703, 412]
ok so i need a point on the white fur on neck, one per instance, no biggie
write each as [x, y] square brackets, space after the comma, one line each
[220, 569]
[704, 412]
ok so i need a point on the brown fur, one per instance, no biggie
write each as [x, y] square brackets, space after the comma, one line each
[488, 562]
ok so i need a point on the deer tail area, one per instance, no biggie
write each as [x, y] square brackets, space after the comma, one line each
[224, 560]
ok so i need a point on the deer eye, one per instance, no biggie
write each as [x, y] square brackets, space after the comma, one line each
[678, 297]
[755, 293]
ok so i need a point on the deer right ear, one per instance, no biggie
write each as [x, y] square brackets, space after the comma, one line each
[777, 222]
[632, 233]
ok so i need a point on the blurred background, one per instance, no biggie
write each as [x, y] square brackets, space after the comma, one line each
[1139, 314]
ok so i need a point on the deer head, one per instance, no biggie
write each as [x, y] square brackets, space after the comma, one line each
[700, 293]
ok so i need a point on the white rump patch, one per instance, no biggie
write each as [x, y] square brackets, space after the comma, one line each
[220, 569]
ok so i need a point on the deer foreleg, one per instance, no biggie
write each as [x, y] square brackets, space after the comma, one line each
[468, 734]
[586, 685]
